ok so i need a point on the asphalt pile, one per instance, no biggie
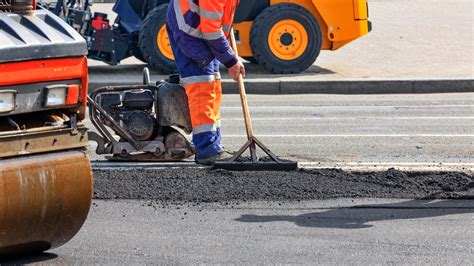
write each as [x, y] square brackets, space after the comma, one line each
[203, 185]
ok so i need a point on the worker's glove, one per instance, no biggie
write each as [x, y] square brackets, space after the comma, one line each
[236, 69]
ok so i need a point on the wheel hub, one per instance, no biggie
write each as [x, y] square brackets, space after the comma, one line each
[288, 39]
[164, 43]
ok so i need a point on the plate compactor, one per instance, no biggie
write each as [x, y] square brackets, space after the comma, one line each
[45, 174]
[151, 121]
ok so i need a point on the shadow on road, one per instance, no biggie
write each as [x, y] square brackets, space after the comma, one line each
[361, 216]
[38, 258]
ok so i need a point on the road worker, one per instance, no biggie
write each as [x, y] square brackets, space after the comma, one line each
[198, 32]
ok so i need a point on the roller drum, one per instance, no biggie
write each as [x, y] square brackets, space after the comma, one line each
[44, 200]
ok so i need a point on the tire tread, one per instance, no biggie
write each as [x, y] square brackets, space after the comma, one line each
[264, 21]
[163, 64]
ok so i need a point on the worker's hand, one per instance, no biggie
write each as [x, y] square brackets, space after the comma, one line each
[235, 70]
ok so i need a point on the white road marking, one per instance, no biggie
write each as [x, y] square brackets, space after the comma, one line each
[350, 118]
[349, 106]
[384, 166]
[308, 164]
[354, 135]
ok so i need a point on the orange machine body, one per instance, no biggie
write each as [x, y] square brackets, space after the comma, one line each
[341, 21]
[57, 69]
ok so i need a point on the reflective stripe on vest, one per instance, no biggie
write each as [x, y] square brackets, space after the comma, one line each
[204, 13]
[183, 26]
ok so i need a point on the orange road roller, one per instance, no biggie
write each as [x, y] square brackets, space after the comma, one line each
[45, 174]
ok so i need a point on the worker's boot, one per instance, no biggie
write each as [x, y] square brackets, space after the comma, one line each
[223, 156]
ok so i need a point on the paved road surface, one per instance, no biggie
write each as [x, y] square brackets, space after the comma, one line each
[420, 128]
[318, 232]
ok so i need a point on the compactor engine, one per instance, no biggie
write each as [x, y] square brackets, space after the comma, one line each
[45, 174]
[152, 121]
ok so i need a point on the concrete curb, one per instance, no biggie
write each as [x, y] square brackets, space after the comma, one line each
[354, 86]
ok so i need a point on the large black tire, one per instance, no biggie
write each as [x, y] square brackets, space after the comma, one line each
[260, 44]
[150, 51]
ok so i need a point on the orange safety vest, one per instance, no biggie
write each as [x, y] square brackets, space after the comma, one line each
[205, 19]
[201, 27]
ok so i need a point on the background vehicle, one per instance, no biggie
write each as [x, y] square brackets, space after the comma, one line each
[284, 36]
[45, 174]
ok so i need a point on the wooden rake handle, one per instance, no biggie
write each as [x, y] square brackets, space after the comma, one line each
[242, 92]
